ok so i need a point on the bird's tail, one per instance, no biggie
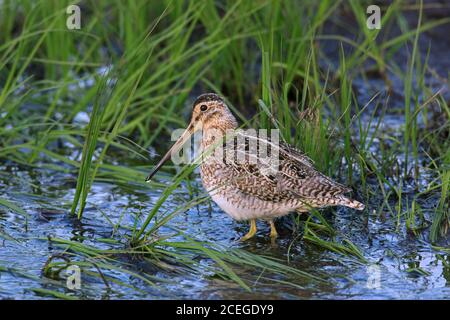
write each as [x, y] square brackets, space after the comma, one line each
[344, 201]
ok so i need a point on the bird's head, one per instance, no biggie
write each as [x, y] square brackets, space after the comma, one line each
[209, 113]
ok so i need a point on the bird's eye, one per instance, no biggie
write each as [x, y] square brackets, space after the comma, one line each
[203, 107]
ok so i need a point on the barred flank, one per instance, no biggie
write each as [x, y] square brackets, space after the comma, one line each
[344, 201]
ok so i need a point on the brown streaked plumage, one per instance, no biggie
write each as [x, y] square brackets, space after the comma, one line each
[250, 188]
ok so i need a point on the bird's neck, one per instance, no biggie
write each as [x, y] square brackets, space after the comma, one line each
[215, 132]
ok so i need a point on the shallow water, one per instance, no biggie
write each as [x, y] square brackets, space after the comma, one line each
[395, 258]
[399, 265]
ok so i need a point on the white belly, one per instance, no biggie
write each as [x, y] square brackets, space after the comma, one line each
[259, 210]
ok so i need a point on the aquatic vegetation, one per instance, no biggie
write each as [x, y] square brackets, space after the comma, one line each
[84, 112]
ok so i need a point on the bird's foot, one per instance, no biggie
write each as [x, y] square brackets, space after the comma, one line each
[251, 232]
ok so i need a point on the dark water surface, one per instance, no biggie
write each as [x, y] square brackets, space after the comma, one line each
[407, 266]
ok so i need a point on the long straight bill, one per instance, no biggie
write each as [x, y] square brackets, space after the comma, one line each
[175, 147]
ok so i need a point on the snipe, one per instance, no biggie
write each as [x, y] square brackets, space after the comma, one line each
[244, 188]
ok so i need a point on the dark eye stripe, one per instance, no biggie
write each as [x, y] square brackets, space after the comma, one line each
[203, 107]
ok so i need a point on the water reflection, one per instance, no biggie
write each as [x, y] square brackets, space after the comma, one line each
[409, 267]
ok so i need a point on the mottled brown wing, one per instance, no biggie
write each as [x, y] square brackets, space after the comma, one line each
[250, 180]
[289, 152]
[306, 181]
[296, 177]
[249, 171]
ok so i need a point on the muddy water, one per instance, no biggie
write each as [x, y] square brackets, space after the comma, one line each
[399, 265]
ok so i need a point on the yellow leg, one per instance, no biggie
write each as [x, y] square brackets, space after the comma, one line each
[251, 232]
[273, 230]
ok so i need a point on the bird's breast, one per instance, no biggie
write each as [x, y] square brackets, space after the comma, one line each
[214, 174]
[217, 179]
